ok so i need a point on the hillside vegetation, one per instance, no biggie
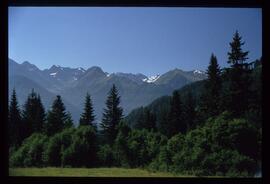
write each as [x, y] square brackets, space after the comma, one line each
[208, 128]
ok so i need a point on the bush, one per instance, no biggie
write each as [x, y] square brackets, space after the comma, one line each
[144, 146]
[222, 146]
[30, 153]
[56, 146]
[82, 150]
[78, 147]
[105, 155]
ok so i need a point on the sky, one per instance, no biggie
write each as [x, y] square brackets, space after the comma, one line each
[148, 40]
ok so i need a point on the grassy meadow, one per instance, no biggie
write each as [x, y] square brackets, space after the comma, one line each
[88, 172]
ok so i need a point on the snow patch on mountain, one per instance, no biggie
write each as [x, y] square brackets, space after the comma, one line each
[81, 69]
[198, 72]
[151, 79]
[53, 74]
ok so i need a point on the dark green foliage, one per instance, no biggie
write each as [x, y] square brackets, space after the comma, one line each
[87, 117]
[236, 55]
[106, 155]
[15, 125]
[56, 117]
[143, 146]
[210, 99]
[214, 148]
[56, 146]
[176, 121]
[146, 120]
[82, 151]
[238, 79]
[190, 113]
[30, 154]
[52, 155]
[213, 126]
[68, 122]
[33, 114]
[112, 116]
[163, 121]
[120, 147]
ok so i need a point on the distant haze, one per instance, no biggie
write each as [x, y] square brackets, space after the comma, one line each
[131, 40]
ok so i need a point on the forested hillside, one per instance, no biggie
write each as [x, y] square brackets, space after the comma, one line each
[207, 128]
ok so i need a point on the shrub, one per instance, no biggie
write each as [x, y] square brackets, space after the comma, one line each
[30, 153]
[105, 155]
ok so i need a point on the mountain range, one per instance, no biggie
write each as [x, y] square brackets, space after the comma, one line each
[73, 83]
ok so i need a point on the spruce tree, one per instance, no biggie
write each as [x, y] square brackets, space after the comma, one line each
[56, 117]
[112, 115]
[237, 57]
[150, 120]
[146, 120]
[189, 111]
[87, 117]
[239, 78]
[139, 124]
[68, 122]
[164, 122]
[33, 114]
[176, 123]
[14, 121]
[210, 99]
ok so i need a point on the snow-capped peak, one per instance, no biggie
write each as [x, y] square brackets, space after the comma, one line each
[151, 79]
[81, 69]
[198, 71]
[53, 74]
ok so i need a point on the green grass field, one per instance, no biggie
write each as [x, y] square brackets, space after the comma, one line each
[88, 172]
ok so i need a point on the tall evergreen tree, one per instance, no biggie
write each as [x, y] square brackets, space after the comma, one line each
[150, 119]
[176, 123]
[210, 99]
[56, 117]
[111, 116]
[146, 120]
[14, 121]
[68, 122]
[33, 114]
[237, 57]
[239, 78]
[87, 117]
[164, 122]
[189, 111]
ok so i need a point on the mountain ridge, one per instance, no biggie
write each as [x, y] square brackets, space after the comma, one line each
[73, 84]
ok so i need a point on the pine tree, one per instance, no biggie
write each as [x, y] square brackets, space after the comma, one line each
[33, 114]
[56, 117]
[239, 78]
[237, 56]
[68, 122]
[210, 99]
[189, 111]
[146, 120]
[149, 120]
[139, 124]
[41, 116]
[15, 121]
[112, 115]
[176, 123]
[164, 122]
[87, 118]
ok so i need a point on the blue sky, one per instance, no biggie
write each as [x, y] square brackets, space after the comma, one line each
[133, 40]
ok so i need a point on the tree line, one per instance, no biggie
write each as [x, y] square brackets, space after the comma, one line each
[219, 134]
